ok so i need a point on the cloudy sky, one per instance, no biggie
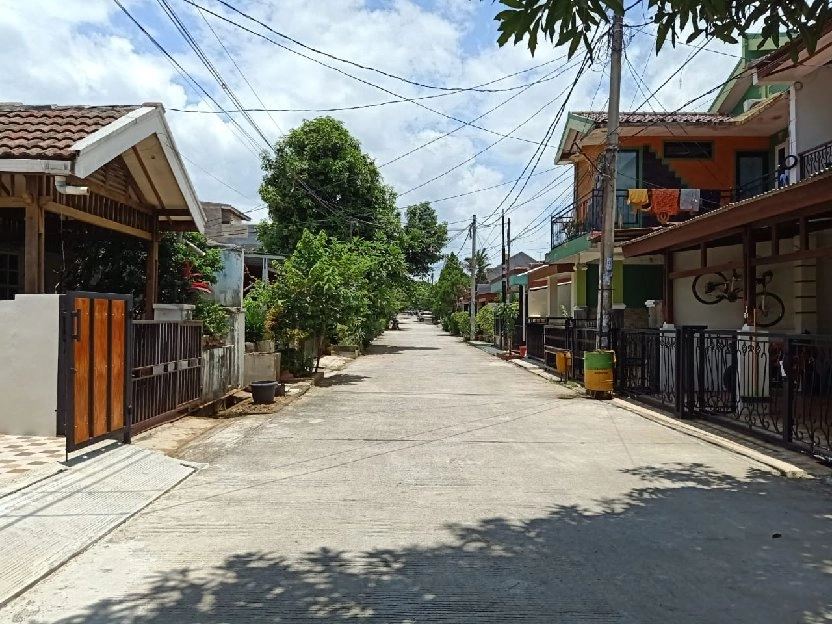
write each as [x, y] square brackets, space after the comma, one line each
[89, 52]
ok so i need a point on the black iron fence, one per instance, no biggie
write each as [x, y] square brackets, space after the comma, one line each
[775, 385]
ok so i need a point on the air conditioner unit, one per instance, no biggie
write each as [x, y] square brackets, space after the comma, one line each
[748, 104]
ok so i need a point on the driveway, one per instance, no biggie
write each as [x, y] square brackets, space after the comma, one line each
[431, 482]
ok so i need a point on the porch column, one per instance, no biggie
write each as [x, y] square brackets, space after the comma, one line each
[152, 271]
[33, 263]
[668, 288]
[749, 251]
[552, 296]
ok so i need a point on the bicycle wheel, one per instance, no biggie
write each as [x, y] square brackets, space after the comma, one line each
[709, 288]
[770, 309]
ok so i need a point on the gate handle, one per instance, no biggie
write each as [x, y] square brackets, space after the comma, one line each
[76, 324]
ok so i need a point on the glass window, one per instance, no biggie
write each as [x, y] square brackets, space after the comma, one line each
[689, 149]
[627, 170]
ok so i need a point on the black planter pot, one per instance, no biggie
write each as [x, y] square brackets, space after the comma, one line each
[263, 391]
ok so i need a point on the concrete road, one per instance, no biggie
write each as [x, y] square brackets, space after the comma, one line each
[431, 482]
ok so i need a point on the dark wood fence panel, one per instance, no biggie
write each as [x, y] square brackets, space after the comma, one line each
[167, 370]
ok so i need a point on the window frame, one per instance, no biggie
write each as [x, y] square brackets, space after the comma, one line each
[705, 154]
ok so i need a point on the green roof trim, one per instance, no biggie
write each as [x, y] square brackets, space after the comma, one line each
[519, 280]
[575, 122]
[567, 249]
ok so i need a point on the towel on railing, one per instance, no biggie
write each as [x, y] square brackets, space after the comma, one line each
[690, 200]
[664, 204]
[637, 197]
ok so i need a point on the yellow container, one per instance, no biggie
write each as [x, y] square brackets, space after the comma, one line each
[563, 361]
[598, 370]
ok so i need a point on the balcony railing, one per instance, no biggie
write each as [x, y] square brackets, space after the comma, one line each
[586, 215]
[815, 160]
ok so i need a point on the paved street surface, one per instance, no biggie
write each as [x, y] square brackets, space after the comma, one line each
[431, 482]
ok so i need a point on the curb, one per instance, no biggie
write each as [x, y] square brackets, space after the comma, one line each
[781, 467]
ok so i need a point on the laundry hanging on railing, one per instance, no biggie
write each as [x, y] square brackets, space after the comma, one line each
[638, 199]
[664, 204]
[690, 200]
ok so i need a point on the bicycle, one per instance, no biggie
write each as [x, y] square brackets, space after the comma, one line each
[713, 288]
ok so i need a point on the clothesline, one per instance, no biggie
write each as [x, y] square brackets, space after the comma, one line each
[664, 203]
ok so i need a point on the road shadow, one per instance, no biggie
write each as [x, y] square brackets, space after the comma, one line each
[341, 379]
[688, 544]
[388, 349]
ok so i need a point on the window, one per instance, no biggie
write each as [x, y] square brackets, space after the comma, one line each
[689, 149]
[9, 275]
[627, 170]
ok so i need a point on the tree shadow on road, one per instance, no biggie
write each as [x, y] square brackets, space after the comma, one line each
[388, 349]
[686, 544]
[341, 379]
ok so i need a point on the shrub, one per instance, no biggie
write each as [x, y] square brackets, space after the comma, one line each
[485, 322]
[214, 318]
[462, 320]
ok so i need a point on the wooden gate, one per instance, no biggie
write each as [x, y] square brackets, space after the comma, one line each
[95, 362]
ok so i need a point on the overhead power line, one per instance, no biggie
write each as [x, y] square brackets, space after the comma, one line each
[356, 78]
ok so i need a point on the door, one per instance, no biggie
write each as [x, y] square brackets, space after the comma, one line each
[752, 174]
[626, 177]
[96, 364]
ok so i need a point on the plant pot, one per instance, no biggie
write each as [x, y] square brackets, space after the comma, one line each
[263, 392]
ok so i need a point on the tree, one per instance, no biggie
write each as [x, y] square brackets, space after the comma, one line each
[451, 285]
[318, 179]
[572, 21]
[423, 238]
[481, 266]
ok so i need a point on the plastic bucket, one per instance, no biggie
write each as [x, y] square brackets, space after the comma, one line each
[563, 361]
[262, 392]
[523, 351]
[598, 370]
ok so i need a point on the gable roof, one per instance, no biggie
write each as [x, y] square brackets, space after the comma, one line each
[51, 131]
[520, 259]
[79, 140]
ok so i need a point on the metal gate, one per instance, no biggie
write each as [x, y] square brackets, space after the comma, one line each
[94, 380]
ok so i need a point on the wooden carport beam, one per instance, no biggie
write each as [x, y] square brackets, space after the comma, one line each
[33, 255]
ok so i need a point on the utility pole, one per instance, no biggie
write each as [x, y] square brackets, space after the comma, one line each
[608, 234]
[473, 306]
[503, 230]
[508, 261]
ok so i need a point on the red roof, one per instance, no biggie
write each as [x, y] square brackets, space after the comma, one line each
[650, 118]
[49, 132]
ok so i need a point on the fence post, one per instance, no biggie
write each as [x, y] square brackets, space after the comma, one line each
[700, 372]
[789, 420]
[678, 402]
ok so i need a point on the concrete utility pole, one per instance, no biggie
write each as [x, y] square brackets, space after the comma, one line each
[508, 261]
[503, 263]
[473, 306]
[608, 233]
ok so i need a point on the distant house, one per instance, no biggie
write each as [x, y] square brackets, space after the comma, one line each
[228, 225]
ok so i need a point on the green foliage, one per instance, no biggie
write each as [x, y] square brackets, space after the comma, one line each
[570, 22]
[214, 318]
[419, 295]
[423, 238]
[485, 321]
[450, 286]
[462, 323]
[174, 254]
[507, 313]
[118, 265]
[318, 179]
[257, 303]
[330, 287]
[481, 266]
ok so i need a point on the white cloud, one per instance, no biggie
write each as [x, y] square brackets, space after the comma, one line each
[92, 55]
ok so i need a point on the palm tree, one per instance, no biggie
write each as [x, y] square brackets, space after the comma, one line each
[481, 265]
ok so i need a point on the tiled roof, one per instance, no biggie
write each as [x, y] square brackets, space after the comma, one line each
[49, 132]
[649, 118]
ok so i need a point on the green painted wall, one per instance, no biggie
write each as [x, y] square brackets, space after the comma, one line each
[580, 288]
[591, 276]
[618, 281]
[642, 282]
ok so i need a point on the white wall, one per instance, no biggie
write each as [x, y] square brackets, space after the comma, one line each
[813, 121]
[228, 291]
[539, 302]
[29, 344]
[727, 315]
